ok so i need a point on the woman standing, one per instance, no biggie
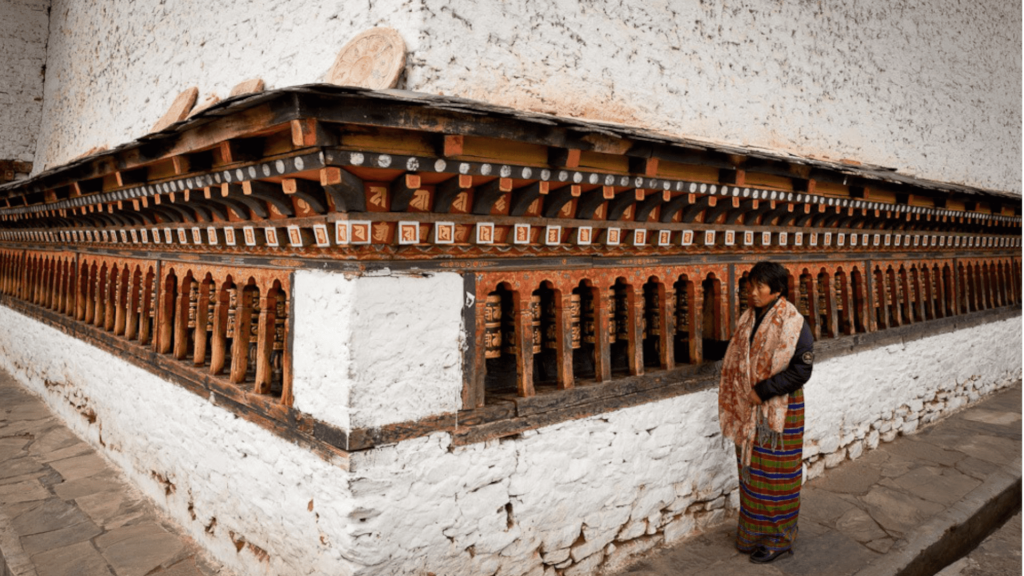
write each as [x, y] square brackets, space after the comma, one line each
[761, 409]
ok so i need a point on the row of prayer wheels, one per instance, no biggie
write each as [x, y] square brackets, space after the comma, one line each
[499, 321]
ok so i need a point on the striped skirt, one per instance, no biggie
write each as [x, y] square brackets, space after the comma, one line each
[770, 501]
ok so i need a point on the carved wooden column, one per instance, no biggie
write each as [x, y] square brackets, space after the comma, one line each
[264, 342]
[201, 333]
[131, 304]
[165, 316]
[109, 305]
[635, 329]
[243, 330]
[812, 305]
[524, 348]
[563, 337]
[120, 297]
[218, 345]
[696, 298]
[602, 343]
[667, 337]
[881, 311]
[181, 317]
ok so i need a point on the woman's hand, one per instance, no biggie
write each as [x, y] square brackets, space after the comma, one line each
[754, 398]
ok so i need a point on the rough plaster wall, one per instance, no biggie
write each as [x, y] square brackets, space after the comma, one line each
[591, 493]
[190, 456]
[23, 29]
[375, 350]
[930, 87]
[116, 66]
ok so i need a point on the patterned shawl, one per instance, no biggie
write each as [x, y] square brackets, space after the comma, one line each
[746, 363]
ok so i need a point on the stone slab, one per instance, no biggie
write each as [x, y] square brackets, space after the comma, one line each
[81, 532]
[140, 549]
[80, 466]
[75, 560]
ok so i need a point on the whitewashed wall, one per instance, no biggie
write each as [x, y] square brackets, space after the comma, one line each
[932, 88]
[582, 495]
[23, 32]
[376, 350]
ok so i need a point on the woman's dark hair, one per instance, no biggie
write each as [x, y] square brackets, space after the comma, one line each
[771, 274]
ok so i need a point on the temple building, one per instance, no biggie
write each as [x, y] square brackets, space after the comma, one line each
[468, 321]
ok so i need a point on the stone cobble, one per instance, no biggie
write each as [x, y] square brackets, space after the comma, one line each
[65, 511]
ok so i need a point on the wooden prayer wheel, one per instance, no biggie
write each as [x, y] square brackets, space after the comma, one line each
[613, 324]
[232, 310]
[683, 311]
[589, 320]
[492, 326]
[549, 324]
[535, 319]
[575, 335]
[838, 291]
[621, 315]
[652, 314]
[211, 307]
[152, 298]
[193, 304]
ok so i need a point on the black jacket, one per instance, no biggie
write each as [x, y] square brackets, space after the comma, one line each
[799, 370]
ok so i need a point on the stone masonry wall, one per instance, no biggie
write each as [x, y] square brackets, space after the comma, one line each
[587, 495]
[928, 87]
[24, 27]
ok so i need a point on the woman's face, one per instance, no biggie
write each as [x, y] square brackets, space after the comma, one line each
[761, 294]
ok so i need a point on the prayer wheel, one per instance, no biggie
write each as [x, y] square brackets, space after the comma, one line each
[492, 326]
[803, 304]
[838, 291]
[621, 316]
[232, 311]
[613, 325]
[652, 315]
[211, 307]
[535, 321]
[683, 310]
[152, 298]
[575, 335]
[589, 323]
[277, 354]
[193, 304]
[254, 333]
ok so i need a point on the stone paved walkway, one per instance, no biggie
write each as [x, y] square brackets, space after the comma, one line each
[869, 513]
[65, 511]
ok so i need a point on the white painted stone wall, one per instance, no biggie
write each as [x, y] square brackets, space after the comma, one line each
[243, 483]
[582, 496]
[376, 350]
[931, 88]
[24, 26]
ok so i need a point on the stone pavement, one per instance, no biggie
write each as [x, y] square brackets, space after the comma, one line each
[890, 510]
[65, 511]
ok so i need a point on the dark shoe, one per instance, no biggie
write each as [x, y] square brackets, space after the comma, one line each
[763, 556]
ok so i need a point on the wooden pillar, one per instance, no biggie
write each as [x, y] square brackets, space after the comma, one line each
[287, 397]
[120, 318]
[696, 297]
[635, 311]
[165, 316]
[218, 346]
[240, 342]
[812, 304]
[831, 310]
[200, 335]
[907, 309]
[895, 306]
[264, 343]
[881, 313]
[602, 348]
[667, 337]
[524, 348]
[563, 338]
[112, 285]
[131, 305]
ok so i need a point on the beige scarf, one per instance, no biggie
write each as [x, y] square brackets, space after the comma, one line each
[746, 363]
